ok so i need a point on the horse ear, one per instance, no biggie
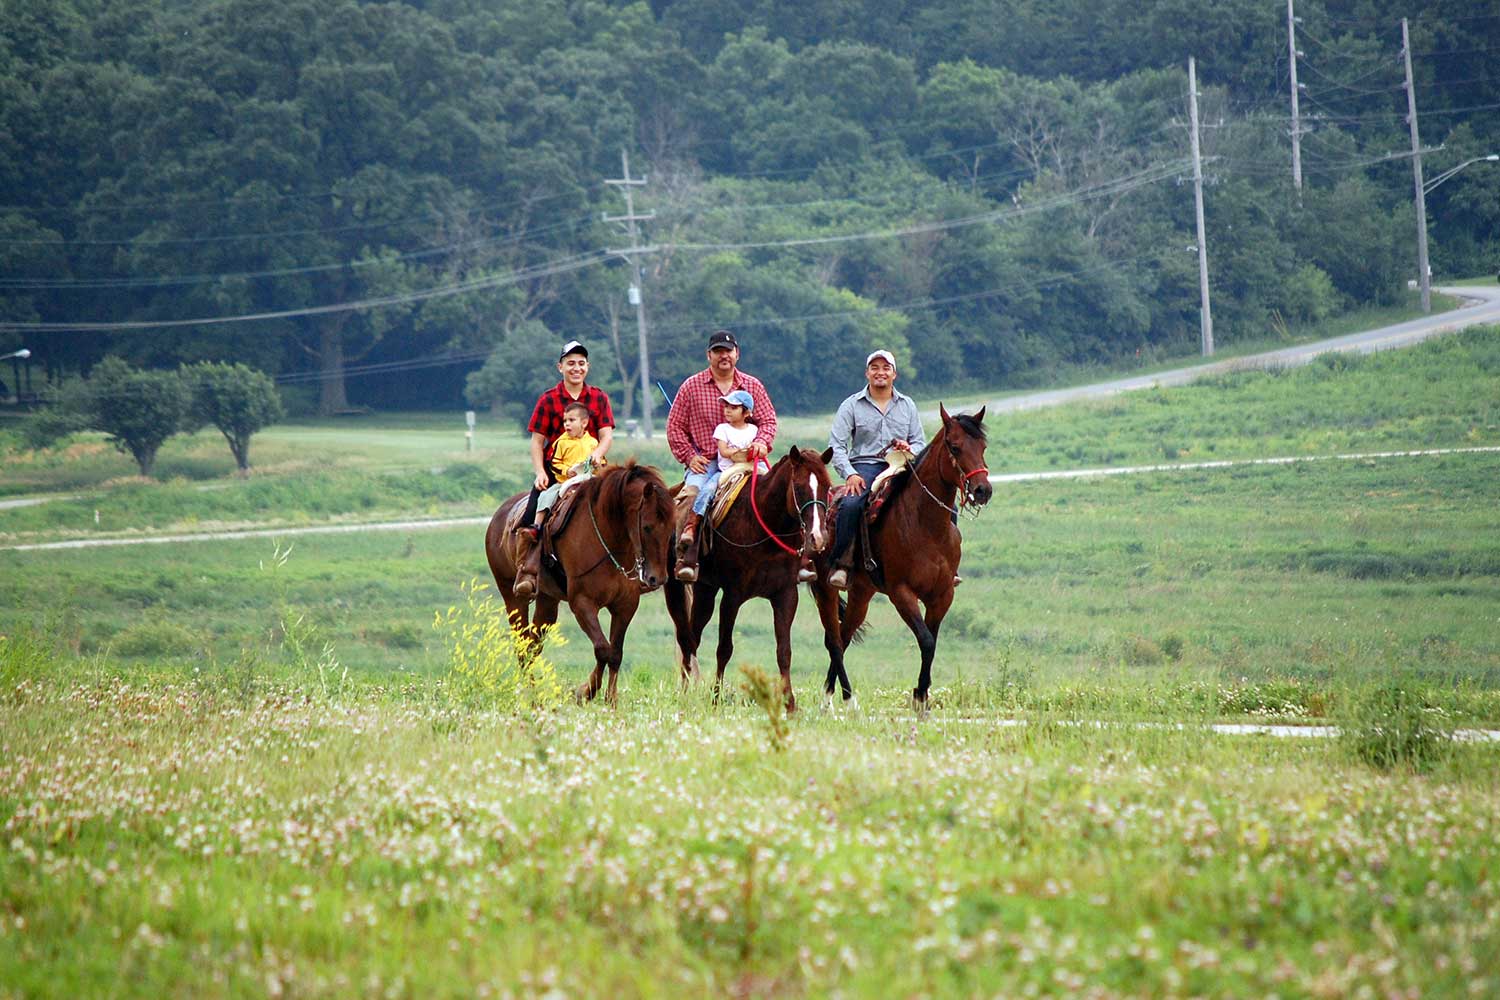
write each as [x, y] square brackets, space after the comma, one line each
[979, 417]
[943, 412]
[827, 455]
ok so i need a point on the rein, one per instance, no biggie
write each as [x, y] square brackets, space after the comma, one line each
[754, 481]
[639, 574]
[965, 488]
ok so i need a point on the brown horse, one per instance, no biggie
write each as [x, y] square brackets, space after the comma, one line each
[616, 546]
[759, 550]
[915, 546]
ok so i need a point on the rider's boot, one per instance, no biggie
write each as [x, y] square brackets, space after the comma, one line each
[838, 578]
[687, 549]
[528, 560]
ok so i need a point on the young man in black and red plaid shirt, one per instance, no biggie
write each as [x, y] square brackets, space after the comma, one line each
[546, 427]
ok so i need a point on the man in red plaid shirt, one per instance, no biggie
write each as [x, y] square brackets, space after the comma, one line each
[698, 409]
[546, 427]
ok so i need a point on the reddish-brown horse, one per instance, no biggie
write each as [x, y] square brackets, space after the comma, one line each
[915, 546]
[616, 546]
[758, 550]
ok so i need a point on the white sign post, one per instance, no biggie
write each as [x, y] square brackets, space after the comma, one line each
[469, 434]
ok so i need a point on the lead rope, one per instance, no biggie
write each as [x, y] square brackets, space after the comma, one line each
[754, 478]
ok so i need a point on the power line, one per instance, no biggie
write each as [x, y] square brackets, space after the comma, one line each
[194, 279]
[562, 266]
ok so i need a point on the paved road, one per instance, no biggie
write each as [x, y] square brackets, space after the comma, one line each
[1482, 305]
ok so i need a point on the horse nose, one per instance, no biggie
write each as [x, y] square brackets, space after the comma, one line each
[984, 492]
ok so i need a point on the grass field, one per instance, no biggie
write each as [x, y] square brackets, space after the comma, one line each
[196, 799]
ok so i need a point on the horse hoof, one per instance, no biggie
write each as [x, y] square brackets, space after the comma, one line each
[919, 704]
[581, 694]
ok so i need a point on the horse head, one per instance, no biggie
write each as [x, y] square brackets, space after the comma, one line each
[964, 443]
[807, 496]
[636, 497]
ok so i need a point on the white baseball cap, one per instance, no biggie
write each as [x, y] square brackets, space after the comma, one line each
[889, 357]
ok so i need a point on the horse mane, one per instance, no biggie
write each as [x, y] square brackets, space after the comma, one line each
[971, 427]
[615, 479]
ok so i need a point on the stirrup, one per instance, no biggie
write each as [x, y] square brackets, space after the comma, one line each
[525, 585]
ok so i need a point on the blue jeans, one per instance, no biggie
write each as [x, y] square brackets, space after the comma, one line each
[851, 510]
[707, 481]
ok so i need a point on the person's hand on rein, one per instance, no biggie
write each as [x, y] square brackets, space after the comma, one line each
[757, 449]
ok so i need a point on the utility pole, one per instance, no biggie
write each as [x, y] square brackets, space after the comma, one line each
[1207, 314]
[1424, 277]
[637, 282]
[1291, 44]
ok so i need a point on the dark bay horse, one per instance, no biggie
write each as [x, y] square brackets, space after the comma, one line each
[616, 546]
[916, 548]
[759, 550]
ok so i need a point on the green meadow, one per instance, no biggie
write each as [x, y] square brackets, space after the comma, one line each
[230, 769]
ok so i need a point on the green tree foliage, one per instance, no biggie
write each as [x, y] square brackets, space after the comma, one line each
[236, 399]
[994, 186]
[137, 409]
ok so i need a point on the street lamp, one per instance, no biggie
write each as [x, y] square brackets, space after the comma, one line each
[1427, 188]
[23, 354]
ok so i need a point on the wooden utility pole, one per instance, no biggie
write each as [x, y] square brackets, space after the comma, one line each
[1291, 44]
[1424, 276]
[637, 279]
[1207, 314]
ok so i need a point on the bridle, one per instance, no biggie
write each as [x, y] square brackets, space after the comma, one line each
[965, 482]
[801, 512]
[638, 573]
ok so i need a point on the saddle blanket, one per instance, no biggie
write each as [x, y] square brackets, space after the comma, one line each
[731, 482]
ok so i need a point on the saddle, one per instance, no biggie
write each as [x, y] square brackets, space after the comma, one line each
[731, 484]
[877, 492]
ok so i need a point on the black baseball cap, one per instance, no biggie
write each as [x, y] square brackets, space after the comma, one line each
[722, 338]
[573, 347]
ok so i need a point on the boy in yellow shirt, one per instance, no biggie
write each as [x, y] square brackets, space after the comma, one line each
[570, 465]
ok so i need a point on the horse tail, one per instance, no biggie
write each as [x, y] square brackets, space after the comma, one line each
[859, 633]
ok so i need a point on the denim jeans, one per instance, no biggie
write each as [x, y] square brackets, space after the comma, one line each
[706, 481]
[850, 511]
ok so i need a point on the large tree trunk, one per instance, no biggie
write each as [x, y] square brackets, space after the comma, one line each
[334, 396]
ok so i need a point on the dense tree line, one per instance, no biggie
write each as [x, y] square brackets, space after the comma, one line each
[410, 193]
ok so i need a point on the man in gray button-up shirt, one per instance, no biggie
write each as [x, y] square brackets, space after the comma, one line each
[868, 423]
[872, 420]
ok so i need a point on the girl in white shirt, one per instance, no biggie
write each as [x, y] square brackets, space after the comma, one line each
[733, 437]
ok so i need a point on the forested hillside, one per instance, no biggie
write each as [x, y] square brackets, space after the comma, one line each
[388, 202]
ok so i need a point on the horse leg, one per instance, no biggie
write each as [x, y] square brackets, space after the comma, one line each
[729, 610]
[828, 614]
[783, 612]
[586, 611]
[680, 608]
[620, 614]
[516, 608]
[543, 617]
[904, 600]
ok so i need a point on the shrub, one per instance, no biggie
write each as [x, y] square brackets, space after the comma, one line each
[765, 690]
[24, 656]
[1392, 725]
[491, 662]
[158, 638]
[1143, 652]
